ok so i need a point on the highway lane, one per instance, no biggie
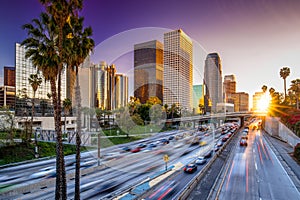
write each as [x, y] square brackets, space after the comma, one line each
[138, 163]
[255, 173]
[125, 169]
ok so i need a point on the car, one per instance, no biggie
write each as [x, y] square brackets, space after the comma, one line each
[200, 160]
[171, 137]
[152, 145]
[135, 150]
[225, 138]
[190, 168]
[208, 154]
[202, 143]
[219, 143]
[126, 148]
[164, 141]
[142, 145]
[244, 136]
[243, 142]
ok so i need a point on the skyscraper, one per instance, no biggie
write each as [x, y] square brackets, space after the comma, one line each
[178, 69]
[240, 101]
[148, 70]
[24, 68]
[197, 97]
[229, 85]
[10, 76]
[107, 90]
[213, 81]
[98, 84]
[121, 90]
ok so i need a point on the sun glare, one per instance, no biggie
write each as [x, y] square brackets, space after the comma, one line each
[263, 103]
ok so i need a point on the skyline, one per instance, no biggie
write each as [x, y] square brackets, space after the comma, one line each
[254, 39]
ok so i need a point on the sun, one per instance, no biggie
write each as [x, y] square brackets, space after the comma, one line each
[263, 103]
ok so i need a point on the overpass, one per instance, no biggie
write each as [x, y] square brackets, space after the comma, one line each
[214, 118]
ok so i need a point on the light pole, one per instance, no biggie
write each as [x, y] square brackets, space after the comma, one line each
[36, 151]
[99, 139]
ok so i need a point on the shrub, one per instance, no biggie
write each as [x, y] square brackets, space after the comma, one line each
[297, 152]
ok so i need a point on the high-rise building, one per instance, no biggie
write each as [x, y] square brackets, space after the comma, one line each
[98, 84]
[197, 97]
[148, 70]
[240, 101]
[213, 82]
[24, 68]
[7, 96]
[107, 90]
[9, 76]
[121, 90]
[229, 85]
[178, 69]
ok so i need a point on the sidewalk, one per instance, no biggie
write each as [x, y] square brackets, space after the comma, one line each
[284, 153]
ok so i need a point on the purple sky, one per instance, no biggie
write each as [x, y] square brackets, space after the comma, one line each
[254, 38]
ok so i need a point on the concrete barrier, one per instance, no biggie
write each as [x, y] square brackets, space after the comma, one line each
[275, 128]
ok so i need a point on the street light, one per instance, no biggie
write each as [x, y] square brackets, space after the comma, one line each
[36, 151]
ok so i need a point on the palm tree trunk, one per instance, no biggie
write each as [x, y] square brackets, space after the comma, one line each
[284, 81]
[58, 194]
[78, 141]
[61, 193]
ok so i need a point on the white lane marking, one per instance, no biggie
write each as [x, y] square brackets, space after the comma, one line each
[253, 150]
[255, 166]
[274, 155]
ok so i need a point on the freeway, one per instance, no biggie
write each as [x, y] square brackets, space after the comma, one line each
[255, 173]
[119, 170]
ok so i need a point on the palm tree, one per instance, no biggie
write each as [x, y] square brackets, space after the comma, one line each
[264, 88]
[201, 108]
[295, 90]
[67, 104]
[81, 45]
[35, 82]
[42, 50]
[284, 73]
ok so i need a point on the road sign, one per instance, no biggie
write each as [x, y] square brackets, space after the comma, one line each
[166, 158]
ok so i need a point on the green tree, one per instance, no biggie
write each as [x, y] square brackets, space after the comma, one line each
[284, 73]
[67, 104]
[41, 46]
[35, 81]
[295, 91]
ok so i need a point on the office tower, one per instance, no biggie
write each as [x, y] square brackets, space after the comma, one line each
[240, 101]
[148, 70]
[213, 81]
[7, 96]
[121, 90]
[197, 97]
[106, 89]
[229, 85]
[9, 76]
[111, 74]
[178, 69]
[98, 85]
[24, 68]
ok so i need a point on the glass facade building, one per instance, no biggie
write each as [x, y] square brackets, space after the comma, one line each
[148, 70]
[213, 82]
[24, 68]
[178, 69]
